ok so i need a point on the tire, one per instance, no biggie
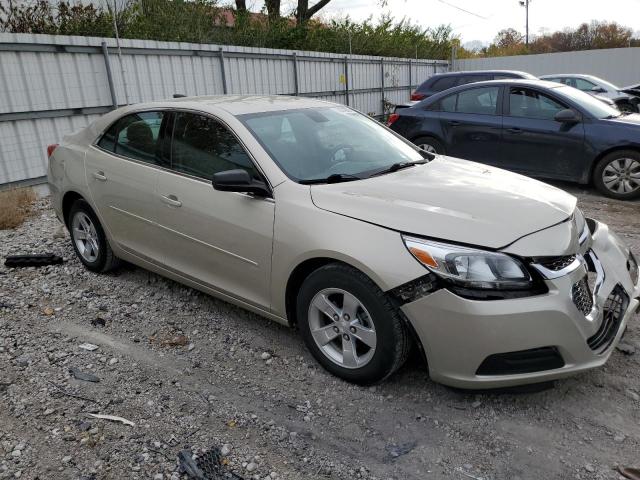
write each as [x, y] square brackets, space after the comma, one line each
[93, 250]
[390, 340]
[430, 144]
[623, 165]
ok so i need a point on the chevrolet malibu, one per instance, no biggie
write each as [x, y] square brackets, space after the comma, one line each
[314, 215]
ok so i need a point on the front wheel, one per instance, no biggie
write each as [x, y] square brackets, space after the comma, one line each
[617, 175]
[350, 326]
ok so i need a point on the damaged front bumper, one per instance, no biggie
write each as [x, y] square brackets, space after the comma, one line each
[571, 328]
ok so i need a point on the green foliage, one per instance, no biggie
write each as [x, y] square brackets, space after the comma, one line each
[205, 21]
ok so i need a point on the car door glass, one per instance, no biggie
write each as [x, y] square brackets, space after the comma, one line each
[527, 103]
[448, 104]
[584, 85]
[202, 147]
[478, 100]
[444, 83]
[137, 137]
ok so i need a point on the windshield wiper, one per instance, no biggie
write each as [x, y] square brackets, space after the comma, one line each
[333, 178]
[398, 166]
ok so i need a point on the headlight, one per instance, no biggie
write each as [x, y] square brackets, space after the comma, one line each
[469, 267]
[632, 265]
[581, 226]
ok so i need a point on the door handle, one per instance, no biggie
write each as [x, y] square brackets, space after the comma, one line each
[100, 176]
[171, 200]
[454, 123]
[514, 130]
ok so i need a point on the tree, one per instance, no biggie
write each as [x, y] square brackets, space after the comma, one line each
[508, 38]
[304, 12]
[241, 6]
[273, 9]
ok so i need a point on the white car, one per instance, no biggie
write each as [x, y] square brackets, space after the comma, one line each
[314, 215]
[626, 99]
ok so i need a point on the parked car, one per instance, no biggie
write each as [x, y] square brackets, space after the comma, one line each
[626, 98]
[537, 128]
[443, 81]
[246, 198]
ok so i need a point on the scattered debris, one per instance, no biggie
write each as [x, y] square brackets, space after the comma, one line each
[467, 474]
[626, 348]
[397, 450]
[90, 347]
[38, 260]
[85, 377]
[170, 341]
[48, 311]
[209, 466]
[265, 356]
[112, 418]
[629, 472]
[98, 322]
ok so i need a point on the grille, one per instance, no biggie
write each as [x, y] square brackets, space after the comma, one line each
[581, 295]
[613, 312]
[557, 263]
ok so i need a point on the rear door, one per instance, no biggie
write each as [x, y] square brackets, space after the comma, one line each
[534, 143]
[122, 171]
[220, 239]
[471, 123]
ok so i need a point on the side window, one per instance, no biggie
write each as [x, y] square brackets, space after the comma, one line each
[444, 83]
[448, 104]
[202, 147]
[135, 136]
[584, 85]
[482, 100]
[524, 102]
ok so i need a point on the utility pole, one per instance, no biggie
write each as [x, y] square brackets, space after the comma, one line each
[525, 4]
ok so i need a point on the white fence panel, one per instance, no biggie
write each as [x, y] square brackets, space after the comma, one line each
[53, 85]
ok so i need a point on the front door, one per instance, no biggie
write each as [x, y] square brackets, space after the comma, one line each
[534, 142]
[121, 172]
[471, 124]
[220, 239]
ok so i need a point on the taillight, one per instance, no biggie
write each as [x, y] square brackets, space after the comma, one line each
[417, 96]
[392, 118]
[51, 148]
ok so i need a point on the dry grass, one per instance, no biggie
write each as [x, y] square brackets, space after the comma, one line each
[15, 206]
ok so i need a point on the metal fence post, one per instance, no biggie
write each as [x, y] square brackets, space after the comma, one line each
[382, 84]
[223, 72]
[410, 78]
[295, 74]
[346, 78]
[112, 90]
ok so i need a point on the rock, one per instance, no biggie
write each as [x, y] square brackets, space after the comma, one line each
[251, 467]
[619, 438]
[225, 450]
[265, 356]
[626, 348]
[632, 395]
[24, 360]
[113, 361]
[158, 476]
[589, 468]
[66, 459]
[90, 347]
[16, 453]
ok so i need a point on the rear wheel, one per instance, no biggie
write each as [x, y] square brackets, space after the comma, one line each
[617, 175]
[89, 240]
[430, 145]
[350, 326]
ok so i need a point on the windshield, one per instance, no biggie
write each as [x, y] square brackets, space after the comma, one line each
[591, 104]
[315, 143]
[604, 83]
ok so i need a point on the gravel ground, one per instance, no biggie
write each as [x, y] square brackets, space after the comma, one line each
[192, 371]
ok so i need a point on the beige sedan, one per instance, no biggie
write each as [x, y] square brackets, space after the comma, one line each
[317, 216]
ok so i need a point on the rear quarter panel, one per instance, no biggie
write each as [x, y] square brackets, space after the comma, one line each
[416, 122]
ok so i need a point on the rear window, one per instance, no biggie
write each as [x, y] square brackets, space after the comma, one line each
[444, 83]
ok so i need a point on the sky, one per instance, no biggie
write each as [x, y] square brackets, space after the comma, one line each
[544, 15]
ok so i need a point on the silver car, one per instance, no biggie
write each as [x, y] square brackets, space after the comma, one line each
[623, 98]
[316, 216]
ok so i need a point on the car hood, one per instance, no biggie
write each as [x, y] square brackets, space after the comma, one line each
[633, 119]
[451, 199]
[632, 89]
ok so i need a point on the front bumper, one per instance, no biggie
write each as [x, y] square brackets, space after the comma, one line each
[459, 334]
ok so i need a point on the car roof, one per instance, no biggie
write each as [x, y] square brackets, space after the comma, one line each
[568, 75]
[238, 104]
[480, 72]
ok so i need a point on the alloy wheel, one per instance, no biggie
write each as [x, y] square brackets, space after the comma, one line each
[428, 148]
[622, 175]
[342, 328]
[85, 237]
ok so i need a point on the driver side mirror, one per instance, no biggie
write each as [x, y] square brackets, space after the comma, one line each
[239, 180]
[597, 89]
[567, 116]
